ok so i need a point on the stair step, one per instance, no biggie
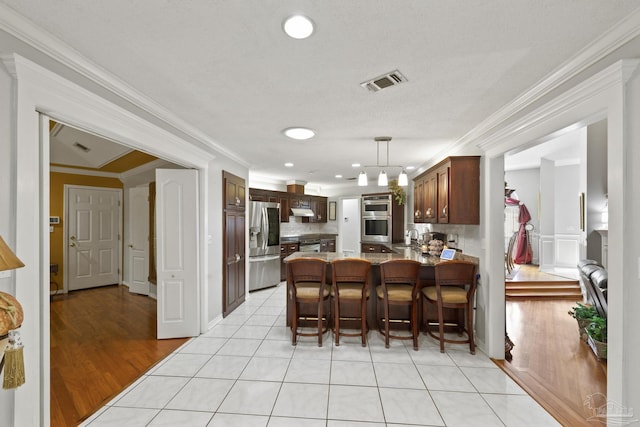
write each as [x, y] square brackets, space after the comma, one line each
[535, 295]
[563, 283]
[543, 288]
[568, 290]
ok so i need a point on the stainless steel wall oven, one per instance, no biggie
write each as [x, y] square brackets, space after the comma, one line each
[376, 219]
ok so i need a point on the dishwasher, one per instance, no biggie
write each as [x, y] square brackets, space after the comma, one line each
[310, 245]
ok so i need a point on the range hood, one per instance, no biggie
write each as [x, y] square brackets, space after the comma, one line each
[302, 212]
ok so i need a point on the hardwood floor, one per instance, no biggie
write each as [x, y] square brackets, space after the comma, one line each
[102, 340]
[551, 362]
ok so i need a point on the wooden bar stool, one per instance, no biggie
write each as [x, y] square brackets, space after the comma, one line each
[399, 287]
[455, 288]
[306, 279]
[350, 285]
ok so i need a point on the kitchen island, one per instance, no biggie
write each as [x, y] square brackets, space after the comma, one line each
[427, 278]
[399, 252]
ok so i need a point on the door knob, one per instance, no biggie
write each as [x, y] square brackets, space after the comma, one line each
[131, 246]
[237, 257]
[72, 237]
[72, 244]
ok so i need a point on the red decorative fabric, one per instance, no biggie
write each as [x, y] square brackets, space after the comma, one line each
[523, 253]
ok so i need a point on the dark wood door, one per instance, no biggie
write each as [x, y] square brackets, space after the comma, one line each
[234, 260]
[234, 191]
[234, 265]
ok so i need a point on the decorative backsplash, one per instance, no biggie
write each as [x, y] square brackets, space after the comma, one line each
[295, 227]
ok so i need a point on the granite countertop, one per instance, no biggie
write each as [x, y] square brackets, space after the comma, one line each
[401, 252]
[297, 237]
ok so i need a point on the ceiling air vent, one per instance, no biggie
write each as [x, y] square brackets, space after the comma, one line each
[82, 147]
[386, 80]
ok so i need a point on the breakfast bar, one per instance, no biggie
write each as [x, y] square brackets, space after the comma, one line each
[427, 278]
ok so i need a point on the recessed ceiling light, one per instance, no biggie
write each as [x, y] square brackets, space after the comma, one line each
[355, 165]
[289, 165]
[338, 176]
[298, 27]
[410, 168]
[299, 133]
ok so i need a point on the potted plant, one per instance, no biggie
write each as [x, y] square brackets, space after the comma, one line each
[597, 336]
[398, 192]
[583, 315]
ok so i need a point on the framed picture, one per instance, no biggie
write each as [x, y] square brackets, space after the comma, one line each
[581, 210]
[332, 211]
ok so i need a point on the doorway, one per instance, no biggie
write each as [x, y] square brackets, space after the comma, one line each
[97, 238]
[549, 359]
[349, 226]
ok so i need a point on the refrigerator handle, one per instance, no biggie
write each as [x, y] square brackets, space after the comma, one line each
[265, 237]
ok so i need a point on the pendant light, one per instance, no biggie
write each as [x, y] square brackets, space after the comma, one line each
[362, 179]
[383, 178]
[403, 180]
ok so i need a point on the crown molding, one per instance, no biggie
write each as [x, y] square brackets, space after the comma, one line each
[615, 74]
[25, 30]
[620, 34]
[88, 172]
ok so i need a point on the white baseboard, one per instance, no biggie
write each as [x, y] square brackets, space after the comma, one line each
[214, 322]
[153, 291]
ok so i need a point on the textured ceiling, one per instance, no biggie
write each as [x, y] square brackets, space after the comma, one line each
[227, 68]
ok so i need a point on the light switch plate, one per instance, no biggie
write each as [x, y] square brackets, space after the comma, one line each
[4, 274]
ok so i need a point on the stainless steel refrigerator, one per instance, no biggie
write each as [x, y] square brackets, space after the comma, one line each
[264, 245]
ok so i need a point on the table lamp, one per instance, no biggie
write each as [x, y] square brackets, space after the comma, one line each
[11, 317]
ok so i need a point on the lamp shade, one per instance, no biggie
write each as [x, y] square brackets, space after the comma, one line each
[403, 180]
[382, 179]
[362, 179]
[8, 260]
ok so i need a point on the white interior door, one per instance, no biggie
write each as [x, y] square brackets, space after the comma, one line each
[350, 223]
[138, 240]
[93, 254]
[177, 248]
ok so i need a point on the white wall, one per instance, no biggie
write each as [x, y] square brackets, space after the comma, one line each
[596, 186]
[565, 192]
[7, 210]
[624, 249]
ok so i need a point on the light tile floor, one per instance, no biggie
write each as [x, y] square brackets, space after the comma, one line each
[245, 372]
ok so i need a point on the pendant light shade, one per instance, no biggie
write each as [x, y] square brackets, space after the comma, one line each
[382, 179]
[362, 179]
[403, 180]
